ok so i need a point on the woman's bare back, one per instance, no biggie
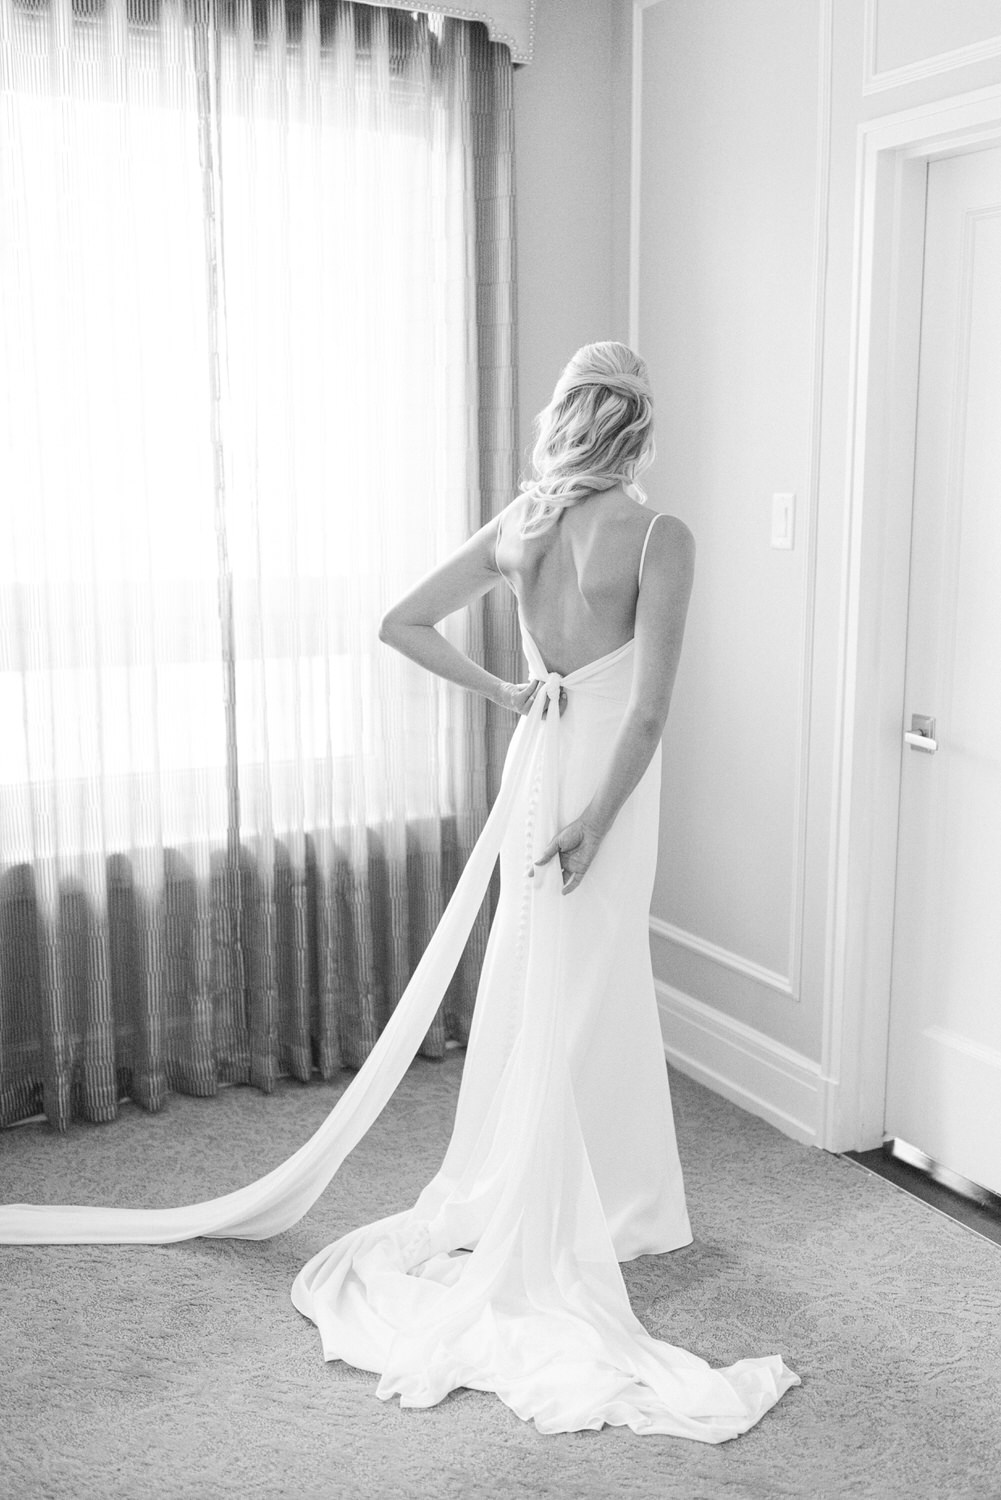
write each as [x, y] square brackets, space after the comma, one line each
[576, 584]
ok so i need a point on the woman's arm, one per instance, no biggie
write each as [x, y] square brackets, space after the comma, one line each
[661, 610]
[410, 625]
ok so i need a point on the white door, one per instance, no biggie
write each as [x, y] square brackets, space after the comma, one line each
[944, 1071]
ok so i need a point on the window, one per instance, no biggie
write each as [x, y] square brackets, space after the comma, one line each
[240, 419]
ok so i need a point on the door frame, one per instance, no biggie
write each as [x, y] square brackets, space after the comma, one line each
[891, 176]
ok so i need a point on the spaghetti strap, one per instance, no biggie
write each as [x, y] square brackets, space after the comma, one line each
[646, 543]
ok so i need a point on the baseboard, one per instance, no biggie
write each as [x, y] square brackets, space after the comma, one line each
[745, 1066]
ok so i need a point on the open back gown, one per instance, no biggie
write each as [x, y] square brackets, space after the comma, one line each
[504, 1274]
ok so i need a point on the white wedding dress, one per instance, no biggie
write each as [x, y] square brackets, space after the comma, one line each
[504, 1274]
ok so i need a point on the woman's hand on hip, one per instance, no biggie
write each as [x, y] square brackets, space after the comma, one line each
[576, 845]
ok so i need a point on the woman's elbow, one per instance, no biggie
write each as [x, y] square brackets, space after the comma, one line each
[648, 722]
[399, 628]
[389, 627]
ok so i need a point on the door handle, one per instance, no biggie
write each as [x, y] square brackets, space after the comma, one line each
[921, 735]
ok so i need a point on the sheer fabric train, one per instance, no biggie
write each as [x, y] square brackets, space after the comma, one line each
[504, 1275]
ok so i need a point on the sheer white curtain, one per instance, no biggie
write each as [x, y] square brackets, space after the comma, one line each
[241, 377]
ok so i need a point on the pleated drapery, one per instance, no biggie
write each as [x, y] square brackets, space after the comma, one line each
[256, 325]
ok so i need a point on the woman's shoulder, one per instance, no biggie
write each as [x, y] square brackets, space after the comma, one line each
[655, 530]
[507, 524]
[670, 531]
[514, 513]
[669, 549]
[614, 517]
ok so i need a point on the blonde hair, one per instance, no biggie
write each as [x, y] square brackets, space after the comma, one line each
[596, 432]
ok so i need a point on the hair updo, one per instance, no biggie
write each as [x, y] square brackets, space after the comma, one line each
[596, 432]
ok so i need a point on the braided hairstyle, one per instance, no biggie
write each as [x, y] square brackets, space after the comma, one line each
[596, 432]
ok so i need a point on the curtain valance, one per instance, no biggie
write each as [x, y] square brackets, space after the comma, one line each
[508, 21]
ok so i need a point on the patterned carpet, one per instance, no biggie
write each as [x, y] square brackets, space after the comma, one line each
[184, 1370]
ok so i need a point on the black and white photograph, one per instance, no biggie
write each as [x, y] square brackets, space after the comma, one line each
[500, 750]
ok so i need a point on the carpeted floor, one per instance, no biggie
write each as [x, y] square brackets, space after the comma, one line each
[184, 1370]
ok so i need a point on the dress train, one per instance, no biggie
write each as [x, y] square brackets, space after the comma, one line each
[504, 1275]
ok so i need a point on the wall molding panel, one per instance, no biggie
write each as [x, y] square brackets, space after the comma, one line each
[744, 1065]
[790, 988]
[876, 80]
[722, 956]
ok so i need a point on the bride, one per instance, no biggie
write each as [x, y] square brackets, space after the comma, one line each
[504, 1275]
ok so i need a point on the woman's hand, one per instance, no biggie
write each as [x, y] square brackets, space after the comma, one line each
[576, 845]
[518, 696]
